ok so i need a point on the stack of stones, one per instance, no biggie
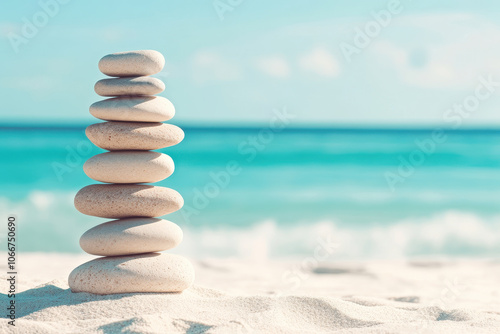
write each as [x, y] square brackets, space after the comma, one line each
[133, 128]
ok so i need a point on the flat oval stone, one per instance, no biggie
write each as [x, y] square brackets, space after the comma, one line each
[129, 86]
[131, 236]
[134, 109]
[134, 135]
[129, 167]
[127, 200]
[132, 63]
[152, 272]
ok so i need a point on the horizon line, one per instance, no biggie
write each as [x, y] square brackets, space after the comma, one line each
[253, 127]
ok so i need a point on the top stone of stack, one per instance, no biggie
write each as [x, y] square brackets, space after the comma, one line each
[132, 63]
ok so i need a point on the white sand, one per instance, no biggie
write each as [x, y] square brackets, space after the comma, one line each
[231, 296]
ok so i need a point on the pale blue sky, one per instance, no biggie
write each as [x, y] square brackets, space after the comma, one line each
[263, 55]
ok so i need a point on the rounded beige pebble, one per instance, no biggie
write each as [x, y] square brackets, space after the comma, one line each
[131, 236]
[115, 136]
[129, 86]
[134, 109]
[152, 272]
[127, 200]
[129, 167]
[134, 135]
[132, 63]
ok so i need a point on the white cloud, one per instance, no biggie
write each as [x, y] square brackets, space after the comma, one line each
[447, 51]
[113, 34]
[210, 66]
[6, 28]
[275, 66]
[35, 84]
[321, 62]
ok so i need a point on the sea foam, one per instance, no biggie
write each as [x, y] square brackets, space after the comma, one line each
[49, 222]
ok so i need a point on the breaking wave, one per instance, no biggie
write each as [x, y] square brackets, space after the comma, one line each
[49, 222]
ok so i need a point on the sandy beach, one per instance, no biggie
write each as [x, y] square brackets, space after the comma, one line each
[250, 167]
[234, 296]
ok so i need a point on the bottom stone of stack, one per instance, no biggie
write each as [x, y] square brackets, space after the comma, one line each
[151, 272]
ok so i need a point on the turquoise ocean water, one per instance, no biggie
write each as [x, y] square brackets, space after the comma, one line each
[285, 190]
